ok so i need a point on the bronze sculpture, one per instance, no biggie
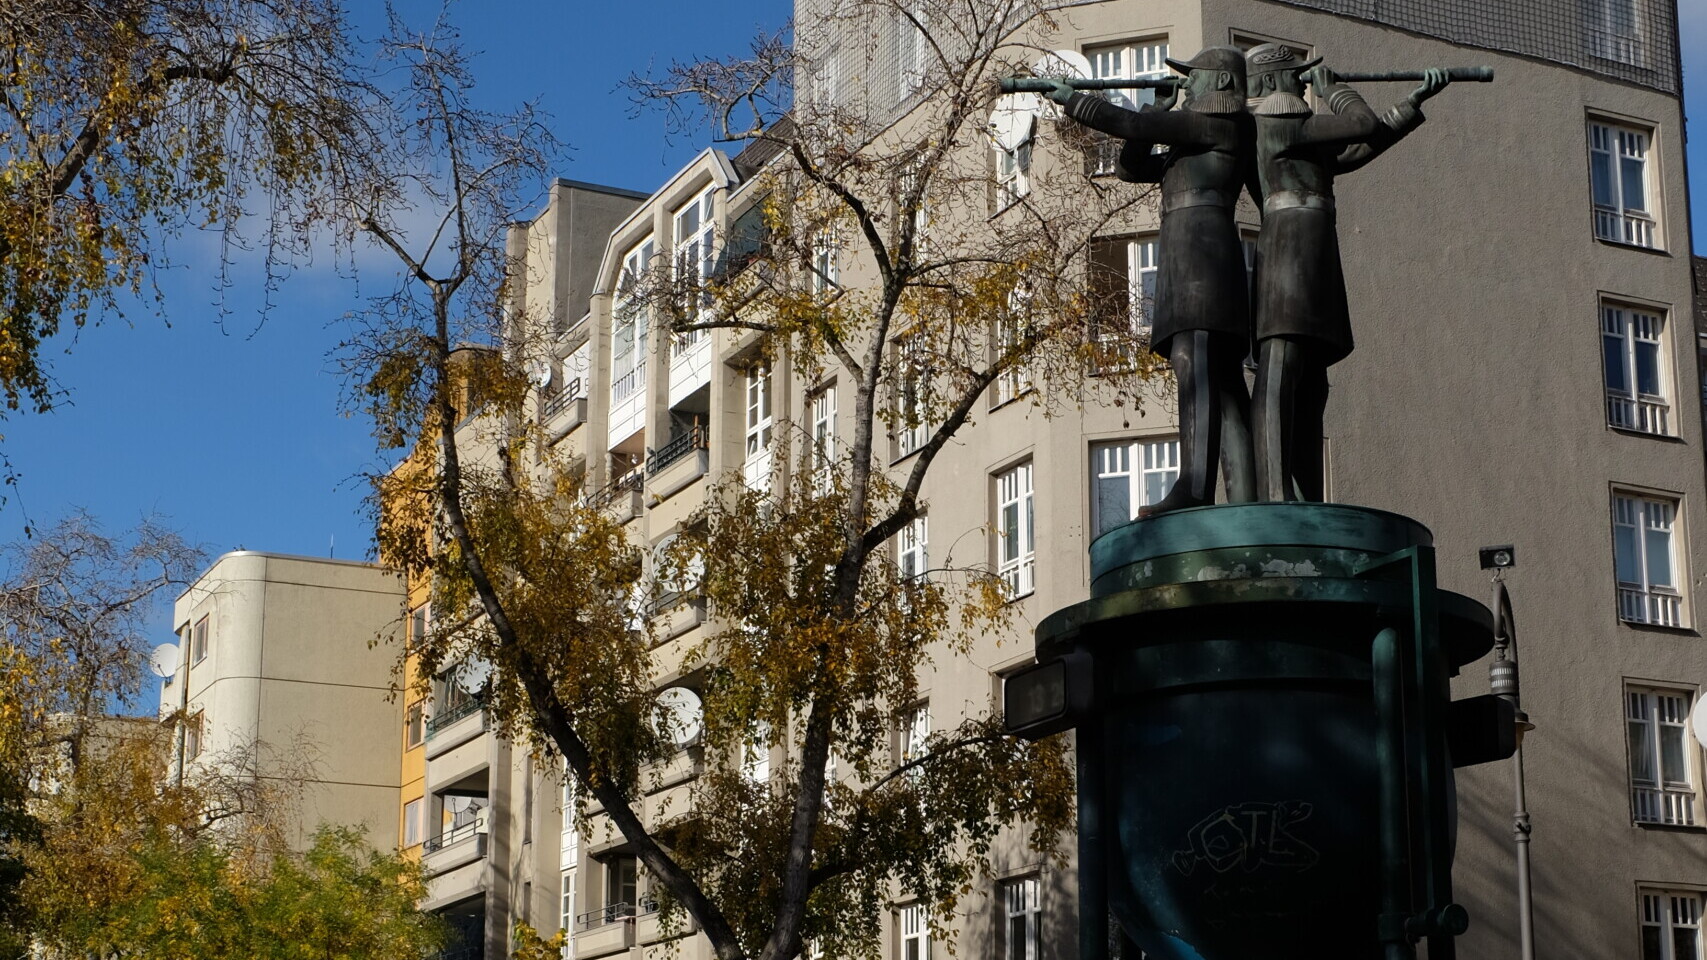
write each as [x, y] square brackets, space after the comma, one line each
[1302, 324]
[1201, 319]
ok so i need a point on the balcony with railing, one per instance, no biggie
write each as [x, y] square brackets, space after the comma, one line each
[457, 847]
[1644, 414]
[607, 930]
[676, 464]
[1660, 606]
[1623, 226]
[621, 496]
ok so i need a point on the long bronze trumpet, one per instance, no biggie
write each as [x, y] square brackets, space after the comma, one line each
[1038, 85]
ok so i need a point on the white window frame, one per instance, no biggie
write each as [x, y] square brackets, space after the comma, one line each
[824, 273]
[695, 224]
[760, 426]
[1023, 911]
[1135, 462]
[415, 724]
[915, 932]
[1628, 334]
[826, 89]
[1654, 718]
[1013, 172]
[566, 904]
[1015, 381]
[756, 754]
[823, 456]
[199, 638]
[414, 822]
[1614, 149]
[912, 51]
[629, 324]
[569, 840]
[1124, 61]
[912, 553]
[1614, 32]
[912, 428]
[1639, 522]
[1665, 914]
[1016, 531]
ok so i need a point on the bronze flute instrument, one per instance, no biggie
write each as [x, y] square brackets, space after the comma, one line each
[1036, 85]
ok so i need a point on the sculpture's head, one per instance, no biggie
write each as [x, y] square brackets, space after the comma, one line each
[1214, 80]
[1274, 79]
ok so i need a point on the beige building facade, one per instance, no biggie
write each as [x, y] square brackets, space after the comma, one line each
[1527, 372]
[280, 673]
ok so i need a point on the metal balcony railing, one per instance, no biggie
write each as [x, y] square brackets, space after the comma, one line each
[451, 714]
[609, 913]
[563, 398]
[632, 481]
[452, 837]
[676, 449]
[459, 953]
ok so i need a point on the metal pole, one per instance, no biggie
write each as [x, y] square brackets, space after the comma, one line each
[1396, 892]
[1039, 85]
[1503, 678]
[183, 719]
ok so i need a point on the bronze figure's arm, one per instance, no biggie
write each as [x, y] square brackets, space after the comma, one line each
[1173, 127]
[1396, 123]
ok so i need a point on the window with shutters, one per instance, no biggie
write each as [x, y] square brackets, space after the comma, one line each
[1622, 182]
[1645, 558]
[1671, 925]
[1663, 756]
[1633, 354]
[1126, 475]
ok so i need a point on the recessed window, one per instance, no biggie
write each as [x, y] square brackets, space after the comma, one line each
[629, 324]
[915, 933]
[414, 726]
[823, 458]
[198, 641]
[760, 424]
[756, 754]
[417, 625]
[1663, 756]
[1016, 531]
[824, 269]
[912, 50]
[1622, 183]
[566, 900]
[1671, 925]
[1129, 474]
[912, 387]
[1123, 61]
[1614, 31]
[911, 560]
[694, 263]
[1645, 557]
[193, 736]
[1013, 326]
[414, 822]
[1123, 298]
[1633, 352]
[1023, 909]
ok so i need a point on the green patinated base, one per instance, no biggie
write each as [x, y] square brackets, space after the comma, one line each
[1264, 769]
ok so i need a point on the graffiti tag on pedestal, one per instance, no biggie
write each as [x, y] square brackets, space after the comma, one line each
[1249, 836]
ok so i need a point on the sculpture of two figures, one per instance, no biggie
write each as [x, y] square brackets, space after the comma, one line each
[1244, 124]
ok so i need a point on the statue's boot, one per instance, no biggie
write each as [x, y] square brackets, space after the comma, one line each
[1287, 407]
[1202, 401]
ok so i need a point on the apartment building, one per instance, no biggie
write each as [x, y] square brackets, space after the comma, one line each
[1520, 282]
[279, 672]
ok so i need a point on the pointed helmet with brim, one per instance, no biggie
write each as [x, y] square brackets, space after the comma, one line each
[1270, 57]
[1230, 59]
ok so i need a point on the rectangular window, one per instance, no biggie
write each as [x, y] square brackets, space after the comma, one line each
[910, 550]
[823, 268]
[760, 424]
[1129, 474]
[915, 933]
[756, 754]
[1123, 61]
[414, 726]
[417, 625]
[916, 732]
[1671, 925]
[1023, 910]
[1016, 536]
[1013, 172]
[823, 462]
[193, 728]
[1012, 327]
[912, 387]
[1645, 557]
[1622, 184]
[1123, 291]
[622, 886]
[1631, 348]
[695, 260]
[628, 332]
[1614, 32]
[1662, 756]
[569, 847]
[198, 641]
[414, 822]
[566, 902]
[826, 89]
[912, 51]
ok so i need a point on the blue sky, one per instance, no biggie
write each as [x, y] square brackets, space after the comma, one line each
[231, 427]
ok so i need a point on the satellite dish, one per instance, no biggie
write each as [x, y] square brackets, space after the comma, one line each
[1698, 723]
[163, 660]
[1060, 65]
[1012, 121]
[474, 673]
[682, 712]
[539, 372]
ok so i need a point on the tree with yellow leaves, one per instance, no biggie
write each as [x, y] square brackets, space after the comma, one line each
[818, 634]
[126, 120]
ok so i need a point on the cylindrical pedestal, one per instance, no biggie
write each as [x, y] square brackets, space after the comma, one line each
[1234, 761]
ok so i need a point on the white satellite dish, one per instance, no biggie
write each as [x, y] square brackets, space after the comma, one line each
[682, 714]
[1060, 65]
[163, 660]
[539, 372]
[1012, 120]
[474, 673]
[1698, 723]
